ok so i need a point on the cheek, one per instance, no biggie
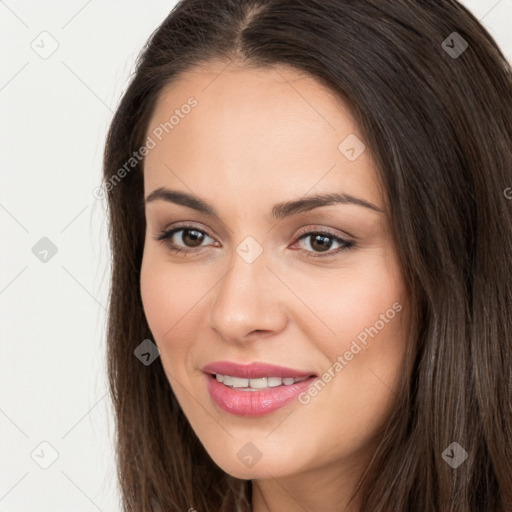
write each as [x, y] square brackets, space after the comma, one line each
[171, 300]
[365, 310]
[354, 301]
[156, 294]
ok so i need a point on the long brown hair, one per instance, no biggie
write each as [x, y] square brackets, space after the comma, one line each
[432, 94]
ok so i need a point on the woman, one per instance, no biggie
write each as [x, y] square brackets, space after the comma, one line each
[311, 300]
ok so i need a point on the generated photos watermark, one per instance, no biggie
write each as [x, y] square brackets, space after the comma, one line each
[359, 343]
[157, 133]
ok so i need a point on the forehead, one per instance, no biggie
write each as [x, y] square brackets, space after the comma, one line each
[272, 126]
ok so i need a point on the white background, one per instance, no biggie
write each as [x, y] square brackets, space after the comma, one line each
[54, 117]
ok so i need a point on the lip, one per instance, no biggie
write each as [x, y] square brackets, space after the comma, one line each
[254, 370]
[254, 403]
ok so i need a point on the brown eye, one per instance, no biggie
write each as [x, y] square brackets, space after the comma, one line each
[190, 238]
[321, 242]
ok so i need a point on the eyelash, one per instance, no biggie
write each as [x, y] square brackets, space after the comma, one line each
[346, 245]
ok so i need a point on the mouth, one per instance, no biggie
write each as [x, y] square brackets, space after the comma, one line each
[254, 389]
[254, 370]
[256, 384]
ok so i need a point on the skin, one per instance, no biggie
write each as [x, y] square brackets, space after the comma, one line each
[258, 137]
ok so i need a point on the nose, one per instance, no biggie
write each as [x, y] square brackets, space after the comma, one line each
[250, 302]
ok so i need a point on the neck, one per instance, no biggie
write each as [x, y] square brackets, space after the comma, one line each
[329, 489]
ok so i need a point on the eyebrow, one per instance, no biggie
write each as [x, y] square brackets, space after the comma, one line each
[279, 211]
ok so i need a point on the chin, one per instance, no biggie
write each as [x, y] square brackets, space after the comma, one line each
[237, 467]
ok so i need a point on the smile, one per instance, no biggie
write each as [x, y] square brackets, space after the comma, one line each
[255, 384]
[254, 389]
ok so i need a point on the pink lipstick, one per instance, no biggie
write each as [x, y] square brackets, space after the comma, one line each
[254, 389]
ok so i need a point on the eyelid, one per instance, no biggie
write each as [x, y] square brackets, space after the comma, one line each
[346, 243]
[167, 233]
[331, 231]
[350, 242]
[184, 226]
[308, 229]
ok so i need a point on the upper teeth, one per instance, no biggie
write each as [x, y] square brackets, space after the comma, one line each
[259, 383]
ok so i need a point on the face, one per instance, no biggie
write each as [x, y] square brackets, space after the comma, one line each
[315, 288]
